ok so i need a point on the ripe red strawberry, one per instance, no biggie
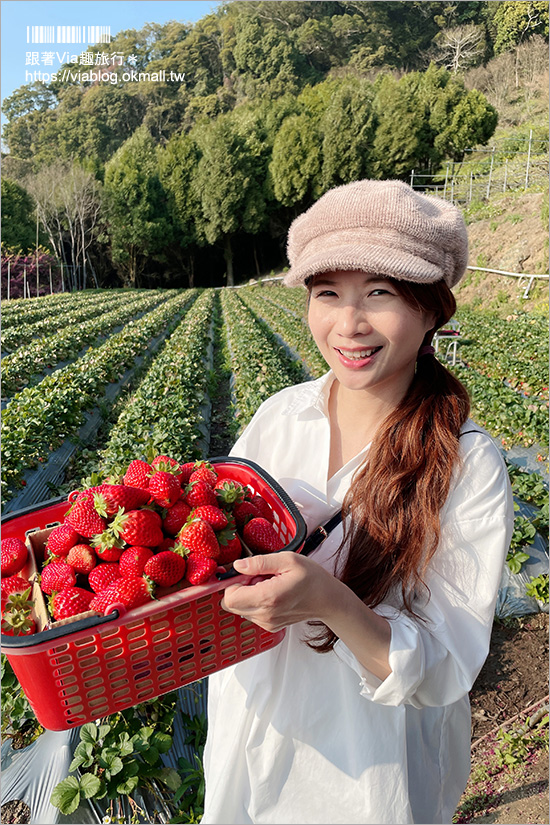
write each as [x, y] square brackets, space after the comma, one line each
[165, 568]
[103, 575]
[186, 471]
[165, 462]
[166, 544]
[245, 512]
[229, 492]
[199, 569]
[164, 488]
[82, 558]
[213, 515]
[230, 550]
[141, 527]
[129, 592]
[84, 518]
[18, 622]
[199, 493]
[262, 505]
[13, 556]
[204, 471]
[61, 539]
[109, 498]
[138, 474]
[199, 538]
[107, 547]
[57, 576]
[261, 536]
[175, 517]
[16, 586]
[70, 602]
[133, 560]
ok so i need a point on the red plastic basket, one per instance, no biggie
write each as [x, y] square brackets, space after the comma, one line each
[100, 665]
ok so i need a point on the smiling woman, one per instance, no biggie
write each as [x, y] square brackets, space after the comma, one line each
[400, 597]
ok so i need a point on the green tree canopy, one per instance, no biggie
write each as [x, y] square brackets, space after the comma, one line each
[18, 218]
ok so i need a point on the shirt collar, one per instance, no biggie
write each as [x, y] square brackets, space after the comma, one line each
[312, 397]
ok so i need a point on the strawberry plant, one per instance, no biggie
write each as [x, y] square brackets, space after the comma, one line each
[537, 588]
[18, 719]
[118, 754]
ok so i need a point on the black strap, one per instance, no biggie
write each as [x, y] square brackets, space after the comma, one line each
[320, 534]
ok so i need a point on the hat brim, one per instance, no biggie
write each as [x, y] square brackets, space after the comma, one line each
[372, 259]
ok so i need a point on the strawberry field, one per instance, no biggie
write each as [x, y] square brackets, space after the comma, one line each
[93, 380]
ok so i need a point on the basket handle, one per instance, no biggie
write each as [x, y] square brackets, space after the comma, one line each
[90, 622]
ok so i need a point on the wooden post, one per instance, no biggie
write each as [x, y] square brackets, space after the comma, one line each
[471, 182]
[446, 179]
[505, 175]
[24, 282]
[490, 174]
[51, 288]
[62, 279]
[412, 178]
[9, 262]
[528, 158]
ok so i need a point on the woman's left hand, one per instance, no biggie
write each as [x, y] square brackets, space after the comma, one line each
[281, 589]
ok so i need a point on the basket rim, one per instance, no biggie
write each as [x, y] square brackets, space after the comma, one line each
[21, 644]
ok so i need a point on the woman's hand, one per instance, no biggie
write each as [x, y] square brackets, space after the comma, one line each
[281, 589]
[284, 588]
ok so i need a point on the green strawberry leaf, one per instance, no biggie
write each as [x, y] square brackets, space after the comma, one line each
[89, 733]
[170, 777]
[89, 785]
[127, 785]
[66, 795]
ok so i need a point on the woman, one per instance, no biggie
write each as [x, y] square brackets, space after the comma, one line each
[361, 714]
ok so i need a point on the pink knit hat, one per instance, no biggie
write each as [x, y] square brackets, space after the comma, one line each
[380, 227]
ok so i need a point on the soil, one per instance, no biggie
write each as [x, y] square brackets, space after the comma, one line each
[513, 679]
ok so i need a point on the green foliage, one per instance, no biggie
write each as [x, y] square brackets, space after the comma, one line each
[119, 753]
[18, 219]
[537, 588]
[348, 128]
[516, 22]
[296, 161]
[18, 719]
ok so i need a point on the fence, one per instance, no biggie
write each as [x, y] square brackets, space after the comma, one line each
[501, 170]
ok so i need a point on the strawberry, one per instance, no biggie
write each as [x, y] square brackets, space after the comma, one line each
[61, 539]
[165, 568]
[164, 488]
[244, 512]
[175, 517]
[213, 515]
[16, 586]
[57, 576]
[82, 558]
[13, 556]
[138, 474]
[262, 505]
[109, 498]
[166, 544]
[230, 550]
[131, 592]
[107, 546]
[103, 575]
[203, 472]
[199, 538]
[199, 569]
[84, 518]
[133, 560]
[164, 462]
[199, 493]
[229, 492]
[18, 622]
[261, 537]
[186, 471]
[70, 602]
[141, 527]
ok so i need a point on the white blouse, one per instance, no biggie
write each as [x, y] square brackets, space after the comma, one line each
[296, 736]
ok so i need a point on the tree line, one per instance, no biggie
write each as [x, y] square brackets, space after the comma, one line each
[186, 184]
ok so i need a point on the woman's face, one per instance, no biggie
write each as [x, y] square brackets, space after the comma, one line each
[366, 332]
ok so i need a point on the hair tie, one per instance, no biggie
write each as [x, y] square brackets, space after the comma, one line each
[427, 349]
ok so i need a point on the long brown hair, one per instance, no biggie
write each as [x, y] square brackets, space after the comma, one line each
[395, 498]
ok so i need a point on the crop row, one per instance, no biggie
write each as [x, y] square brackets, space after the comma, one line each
[260, 364]
[166, 411]
[513, 350]
[25, 311]
[38, 419]
[71, 315]
[31, 360]
[285, 323]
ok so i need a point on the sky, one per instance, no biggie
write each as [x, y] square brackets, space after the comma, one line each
[19, 17]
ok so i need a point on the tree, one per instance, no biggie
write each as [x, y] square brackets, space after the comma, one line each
[472, 122]
[138, 223]
[516, 21]
[230, 195]
[296, 163]
[460, 47]
[348, 127]
[18, 217]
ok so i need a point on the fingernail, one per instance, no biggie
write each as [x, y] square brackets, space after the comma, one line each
[241, 564]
